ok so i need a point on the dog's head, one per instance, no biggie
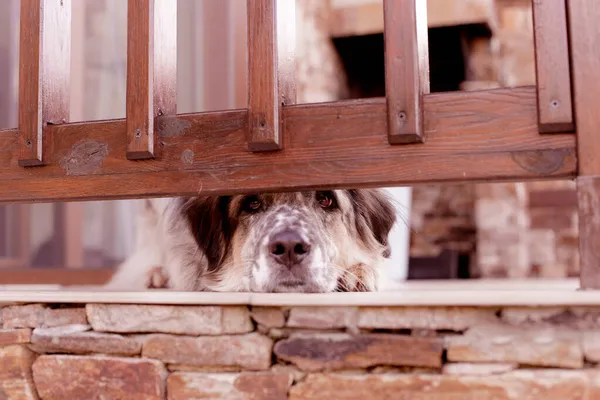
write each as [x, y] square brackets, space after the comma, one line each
[314, 241]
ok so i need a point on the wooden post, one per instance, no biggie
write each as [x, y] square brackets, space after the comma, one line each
[555, 110]
[44, 73]
[151, 72]
[271, 69]
[585, 54]
[406, 68]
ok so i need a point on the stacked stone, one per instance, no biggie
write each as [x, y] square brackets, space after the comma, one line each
[300, 353]
[442, 218]
[527, 230]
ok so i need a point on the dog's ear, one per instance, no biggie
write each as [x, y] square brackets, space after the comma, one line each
[209, 222]
[375, 214]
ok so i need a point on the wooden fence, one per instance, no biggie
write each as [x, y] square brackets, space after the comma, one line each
[408, 137]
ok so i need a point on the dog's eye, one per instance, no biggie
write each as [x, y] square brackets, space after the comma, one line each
[252, 203]
[325, 199]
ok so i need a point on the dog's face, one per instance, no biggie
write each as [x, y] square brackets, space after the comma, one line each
[314, 241]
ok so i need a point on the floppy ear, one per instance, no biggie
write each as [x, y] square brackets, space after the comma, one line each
[374, 211]
[209, 222]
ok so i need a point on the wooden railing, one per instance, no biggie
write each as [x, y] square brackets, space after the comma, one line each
[407, 138]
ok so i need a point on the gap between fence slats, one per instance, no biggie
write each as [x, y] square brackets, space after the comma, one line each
[555, 109]
[151, 72]
[271, 69]
[44, 73]
[406, 68]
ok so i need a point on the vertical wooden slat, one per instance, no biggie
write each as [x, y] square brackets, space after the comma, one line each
[584, 38]
[44, 71]
[555, 110]
[271, 69]
[9, 34]
[151, 72]
[406, 68]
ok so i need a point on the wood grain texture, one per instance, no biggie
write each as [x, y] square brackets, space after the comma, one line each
[471, 136]
[406, 68]
[585, 63]
[588, 195]
[271, 70]
[44, 73]
[553, 68]
[151, 71]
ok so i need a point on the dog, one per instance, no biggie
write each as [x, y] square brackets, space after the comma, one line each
[304, 242]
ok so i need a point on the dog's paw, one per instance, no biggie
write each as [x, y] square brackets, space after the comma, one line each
[157, 278]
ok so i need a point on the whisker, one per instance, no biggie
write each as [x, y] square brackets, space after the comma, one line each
[347, 273]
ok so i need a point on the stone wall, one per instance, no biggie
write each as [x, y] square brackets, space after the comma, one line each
[320, 76]
[301, 353]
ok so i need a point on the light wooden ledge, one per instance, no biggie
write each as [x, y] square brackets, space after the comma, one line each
[424, 293]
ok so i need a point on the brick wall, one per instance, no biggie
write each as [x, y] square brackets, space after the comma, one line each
[301, 353]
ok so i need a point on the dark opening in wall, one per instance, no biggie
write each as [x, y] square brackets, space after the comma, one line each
[363, 59]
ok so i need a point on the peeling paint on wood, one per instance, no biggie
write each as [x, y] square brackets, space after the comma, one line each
[85, 157]
[171, 126]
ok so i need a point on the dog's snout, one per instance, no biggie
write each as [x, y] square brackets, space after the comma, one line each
[288, 248]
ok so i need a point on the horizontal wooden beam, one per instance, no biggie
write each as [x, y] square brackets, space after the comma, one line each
[471, 136]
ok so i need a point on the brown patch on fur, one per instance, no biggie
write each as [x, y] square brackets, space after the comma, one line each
[373, 213]
[211, 226]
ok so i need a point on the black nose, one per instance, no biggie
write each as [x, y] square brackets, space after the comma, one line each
[288, 248]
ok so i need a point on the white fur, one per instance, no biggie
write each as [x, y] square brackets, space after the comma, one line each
[149, 252]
